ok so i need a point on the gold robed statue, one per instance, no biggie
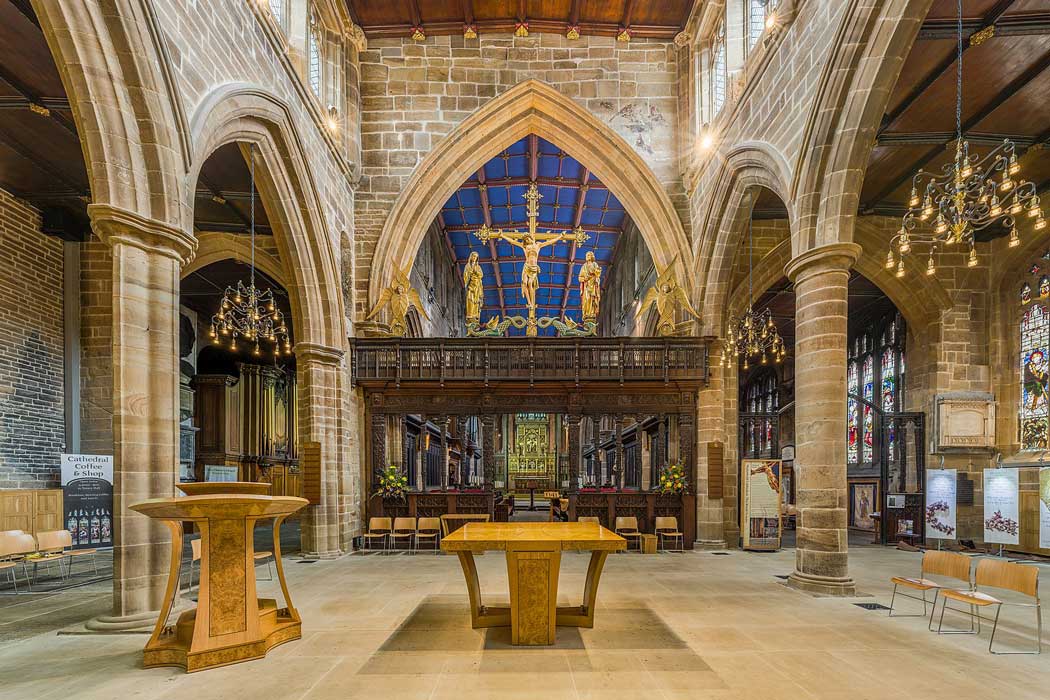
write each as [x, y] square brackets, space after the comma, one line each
[668, 295]
[401, 297]
[590, 288]
[473, 277]
[531, 243]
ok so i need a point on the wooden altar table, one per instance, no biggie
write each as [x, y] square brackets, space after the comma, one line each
[533, 553]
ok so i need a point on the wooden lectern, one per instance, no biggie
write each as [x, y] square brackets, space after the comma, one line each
[230, 624]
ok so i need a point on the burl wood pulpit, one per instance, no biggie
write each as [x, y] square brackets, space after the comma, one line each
[230, 623]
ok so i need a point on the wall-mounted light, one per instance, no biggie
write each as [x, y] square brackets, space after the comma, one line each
[707, 140]
[333, 118]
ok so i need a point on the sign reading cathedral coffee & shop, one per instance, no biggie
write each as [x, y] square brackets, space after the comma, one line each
[87, 496]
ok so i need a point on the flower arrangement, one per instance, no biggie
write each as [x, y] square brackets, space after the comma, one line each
[672, 480]
[392, 483]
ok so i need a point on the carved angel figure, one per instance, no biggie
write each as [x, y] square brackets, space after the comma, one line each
[668, 296]
[401, 297]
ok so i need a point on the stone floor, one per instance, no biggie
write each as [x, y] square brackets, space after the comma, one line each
[694, 625]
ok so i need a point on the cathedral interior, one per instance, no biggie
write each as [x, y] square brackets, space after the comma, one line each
[309, 304]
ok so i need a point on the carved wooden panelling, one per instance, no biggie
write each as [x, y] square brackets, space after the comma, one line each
[310, 466]
[715, 469]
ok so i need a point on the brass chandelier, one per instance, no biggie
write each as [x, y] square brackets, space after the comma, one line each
[247, 312]
[752, 334]
[971, 194]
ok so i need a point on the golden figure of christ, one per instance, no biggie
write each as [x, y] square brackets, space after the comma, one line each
[531, 243]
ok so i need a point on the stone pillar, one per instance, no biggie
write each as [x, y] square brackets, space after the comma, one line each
[710, 531]
[147, 258]
[821, 277]
[326, 528]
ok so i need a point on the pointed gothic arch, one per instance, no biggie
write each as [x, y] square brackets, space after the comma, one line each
[531, 107]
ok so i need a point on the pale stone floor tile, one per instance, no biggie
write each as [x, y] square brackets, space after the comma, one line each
[691, 626]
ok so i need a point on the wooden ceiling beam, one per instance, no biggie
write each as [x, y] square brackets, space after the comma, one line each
[574, 13]
[219, 198]
[589, 228]
[534, 157]
[549, 181]
[417, 16]
[35, 159]
[26, 8]
[1011, 89]
[1028, 24]
[628, 11]
[28, 93]
[945, 137]
[665, 32]
[989, 19]
[486, 211]
[468, 12]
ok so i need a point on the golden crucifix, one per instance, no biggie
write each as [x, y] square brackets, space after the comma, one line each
[531, 243]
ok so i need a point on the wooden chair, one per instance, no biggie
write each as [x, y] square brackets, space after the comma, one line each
[994, 573]
[429, 529]
[589, 519]
[404, 529]
[667, 529]
[934, 563]
[50, 546]
[67, 548]
[195, 558]
[268, 556]
[14, 545]
[627, 528]
[378, 529]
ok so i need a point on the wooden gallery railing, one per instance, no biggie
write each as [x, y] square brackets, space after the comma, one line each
[579, 378]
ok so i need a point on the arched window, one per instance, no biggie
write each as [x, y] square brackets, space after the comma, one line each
[313, 52]
[719, 74]
[755, 23]
[759, 405]
[277, 9]
[876, 359]
[1035, 350]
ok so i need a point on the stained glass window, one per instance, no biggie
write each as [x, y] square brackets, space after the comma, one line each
[759, 401]
[719, 70]
[876, 363]
[1034, 409]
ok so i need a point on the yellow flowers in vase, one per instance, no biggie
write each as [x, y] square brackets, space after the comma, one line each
[672, 480]
[392, 483]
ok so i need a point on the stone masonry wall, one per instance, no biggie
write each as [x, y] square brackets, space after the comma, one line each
[414, 93]
[32, 424]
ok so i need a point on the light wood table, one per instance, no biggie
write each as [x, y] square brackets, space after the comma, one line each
[533, 553]
[230, 624]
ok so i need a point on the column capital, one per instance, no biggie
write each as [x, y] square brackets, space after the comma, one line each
[115, 225]
[321, 354]
[834, 256]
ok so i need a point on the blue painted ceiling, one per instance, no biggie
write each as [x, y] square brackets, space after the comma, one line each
[501, 203]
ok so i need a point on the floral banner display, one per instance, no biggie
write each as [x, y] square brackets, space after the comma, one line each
[1001, 519]
[1044, 507]
[941, 487]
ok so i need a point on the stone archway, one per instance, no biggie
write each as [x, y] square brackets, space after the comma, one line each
[746, 167]
[307, 250]
[213, 246]
[129, 117]
[531, 107]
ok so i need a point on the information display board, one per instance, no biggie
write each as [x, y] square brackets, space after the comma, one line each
[1001, 506]
[760, 518]
[941, 504]
[87, 496]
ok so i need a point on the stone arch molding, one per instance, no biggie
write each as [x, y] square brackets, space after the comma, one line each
[531, 107]
[747, 166]
[215, 246]
[246, 114]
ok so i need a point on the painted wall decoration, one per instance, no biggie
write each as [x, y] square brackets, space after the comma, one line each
[87, 495]
[1001, 496]
[941, 504]
[863, 501]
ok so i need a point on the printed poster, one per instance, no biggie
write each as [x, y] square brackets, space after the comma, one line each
[941, 485]
[1001, 506]
[87, 498]
[1044, 507]
[761, 512]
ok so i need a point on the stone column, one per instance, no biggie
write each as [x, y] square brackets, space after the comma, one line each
[326, 528]
[710, 531]
[821, 277]
[147, 258]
